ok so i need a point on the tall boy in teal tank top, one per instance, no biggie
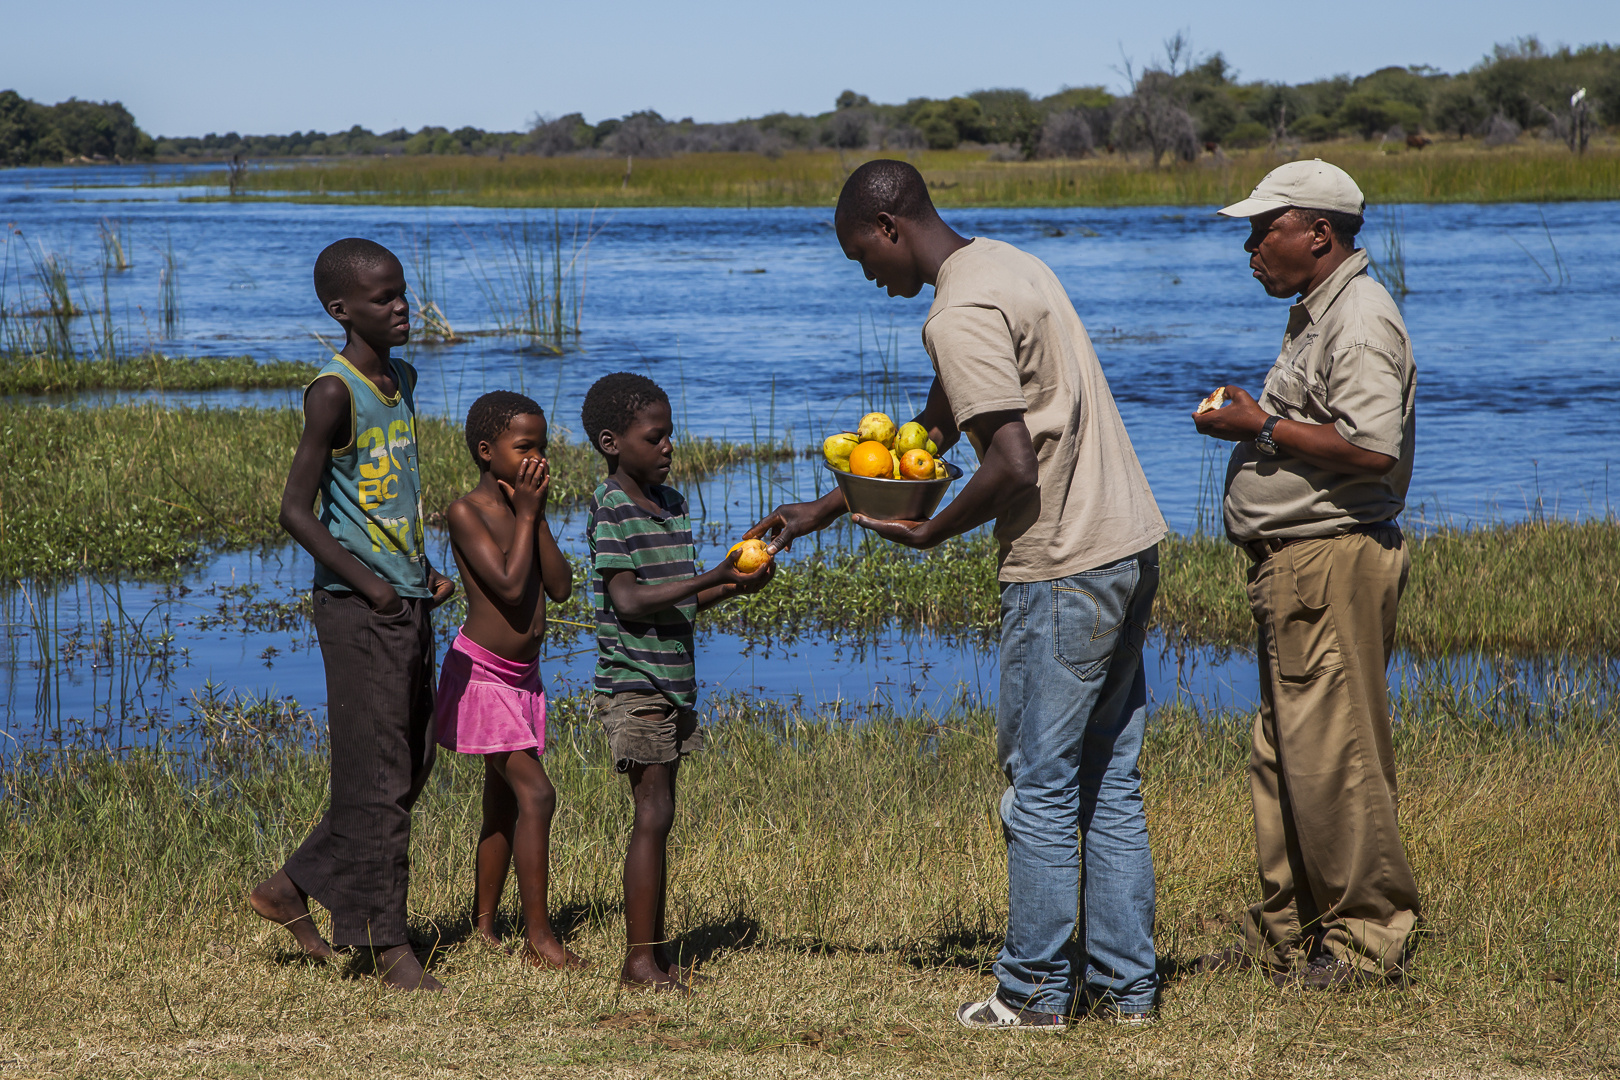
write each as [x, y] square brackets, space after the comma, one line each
[373, 590]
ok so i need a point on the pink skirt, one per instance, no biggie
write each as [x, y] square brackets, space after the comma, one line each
[488, 704]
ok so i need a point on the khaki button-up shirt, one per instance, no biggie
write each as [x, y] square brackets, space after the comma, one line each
[1345, 361]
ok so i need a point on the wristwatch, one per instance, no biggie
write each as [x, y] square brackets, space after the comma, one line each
[1263, 442]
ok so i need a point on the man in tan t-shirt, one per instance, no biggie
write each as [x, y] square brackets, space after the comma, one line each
[1078, 532]
[1316, 480]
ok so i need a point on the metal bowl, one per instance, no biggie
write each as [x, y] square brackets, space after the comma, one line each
[893, 500]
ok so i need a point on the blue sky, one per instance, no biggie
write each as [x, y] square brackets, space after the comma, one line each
[185, 68]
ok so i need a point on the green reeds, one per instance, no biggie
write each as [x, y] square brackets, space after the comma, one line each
[1514, 589]
[431, 320]
[531, 288]
[114, 245]
[1556, 260]
[51, 276]
[140, 489]
[844, 883]
[1450, 171]
[1390, 266]
[169, 291]
[47, 373]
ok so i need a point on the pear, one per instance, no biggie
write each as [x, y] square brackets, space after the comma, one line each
[940, 472]
[911, 436]
[753, 555]
[877, 427]
[837, 449]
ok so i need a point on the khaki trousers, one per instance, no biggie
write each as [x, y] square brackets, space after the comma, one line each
[1333, 872]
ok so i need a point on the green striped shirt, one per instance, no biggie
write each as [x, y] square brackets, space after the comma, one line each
[653, 654]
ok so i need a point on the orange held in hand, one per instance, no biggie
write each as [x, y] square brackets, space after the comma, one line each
[916, 465]
[871, 458]
[751, 555]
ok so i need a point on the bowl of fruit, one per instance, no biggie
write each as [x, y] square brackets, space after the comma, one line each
[887, 473]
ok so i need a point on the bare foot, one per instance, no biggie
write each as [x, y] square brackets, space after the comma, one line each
[280, 901]
[487, 938]
[398, 968]
[671, 968]
[553, 954]
[645, 976]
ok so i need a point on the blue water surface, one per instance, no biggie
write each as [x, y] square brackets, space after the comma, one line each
[756, 325]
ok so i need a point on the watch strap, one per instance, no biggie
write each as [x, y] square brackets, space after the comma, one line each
[1264, 441]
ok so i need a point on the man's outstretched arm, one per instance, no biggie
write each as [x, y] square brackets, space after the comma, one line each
[1007, 476]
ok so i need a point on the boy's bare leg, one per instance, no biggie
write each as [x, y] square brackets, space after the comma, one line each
[536, 801]
[494, 850]
[653, 789]
[279, 900]
[667, 962]
[399, 968]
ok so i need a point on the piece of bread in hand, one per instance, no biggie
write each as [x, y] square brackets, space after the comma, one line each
[1214, 401]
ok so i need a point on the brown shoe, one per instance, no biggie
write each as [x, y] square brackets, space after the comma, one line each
[1330, 973]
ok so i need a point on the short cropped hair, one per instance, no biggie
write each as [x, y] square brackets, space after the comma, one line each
[491, 414]
[612, 402]
[341, 263]
[884, 186]
[1344, 225]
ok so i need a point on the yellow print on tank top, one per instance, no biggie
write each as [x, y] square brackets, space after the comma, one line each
[379, 481]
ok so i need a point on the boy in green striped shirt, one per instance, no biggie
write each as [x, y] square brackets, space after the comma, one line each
[647, 593]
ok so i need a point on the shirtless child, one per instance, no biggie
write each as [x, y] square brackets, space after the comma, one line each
[490, 700]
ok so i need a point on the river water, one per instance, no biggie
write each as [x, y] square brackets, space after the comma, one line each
[756, 324]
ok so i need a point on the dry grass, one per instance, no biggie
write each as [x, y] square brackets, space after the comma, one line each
[846, 886]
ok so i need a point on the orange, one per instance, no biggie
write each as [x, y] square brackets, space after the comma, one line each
[917, 465]
[871, 458]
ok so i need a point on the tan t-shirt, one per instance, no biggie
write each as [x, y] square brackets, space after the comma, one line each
[1003, 336]
[1345, 361]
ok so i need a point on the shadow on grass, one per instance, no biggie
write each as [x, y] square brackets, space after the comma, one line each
[707, 940]
[435, 937]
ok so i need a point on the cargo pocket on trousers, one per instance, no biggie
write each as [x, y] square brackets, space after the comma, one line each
[1306, 634]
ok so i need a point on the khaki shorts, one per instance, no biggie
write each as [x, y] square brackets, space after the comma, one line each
[645, 728]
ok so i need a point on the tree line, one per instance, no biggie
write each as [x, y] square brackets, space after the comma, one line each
[1175, 106]
[35, 134]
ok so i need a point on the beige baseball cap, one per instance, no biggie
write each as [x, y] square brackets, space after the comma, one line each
[1309, 185]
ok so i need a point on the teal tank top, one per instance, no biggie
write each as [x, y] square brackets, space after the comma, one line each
[371, 491]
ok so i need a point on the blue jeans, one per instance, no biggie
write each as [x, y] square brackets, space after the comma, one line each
[1069, 729]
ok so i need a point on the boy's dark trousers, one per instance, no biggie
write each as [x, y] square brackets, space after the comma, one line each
[379, 700]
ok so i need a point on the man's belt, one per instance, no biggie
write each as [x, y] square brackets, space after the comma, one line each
[1261, 550]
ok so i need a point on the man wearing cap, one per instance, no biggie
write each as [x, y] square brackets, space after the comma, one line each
[1315, 483]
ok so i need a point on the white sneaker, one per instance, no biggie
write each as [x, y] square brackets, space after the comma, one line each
[993, 1014]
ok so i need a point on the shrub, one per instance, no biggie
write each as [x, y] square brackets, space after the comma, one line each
[1065, 134]
[1370, 113]
[1313, 128]
[1248, 133]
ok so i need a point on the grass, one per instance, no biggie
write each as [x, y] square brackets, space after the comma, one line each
[141, 489]
[1529, 588]
[24, 372]
[1452, 171]
[844, 883]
